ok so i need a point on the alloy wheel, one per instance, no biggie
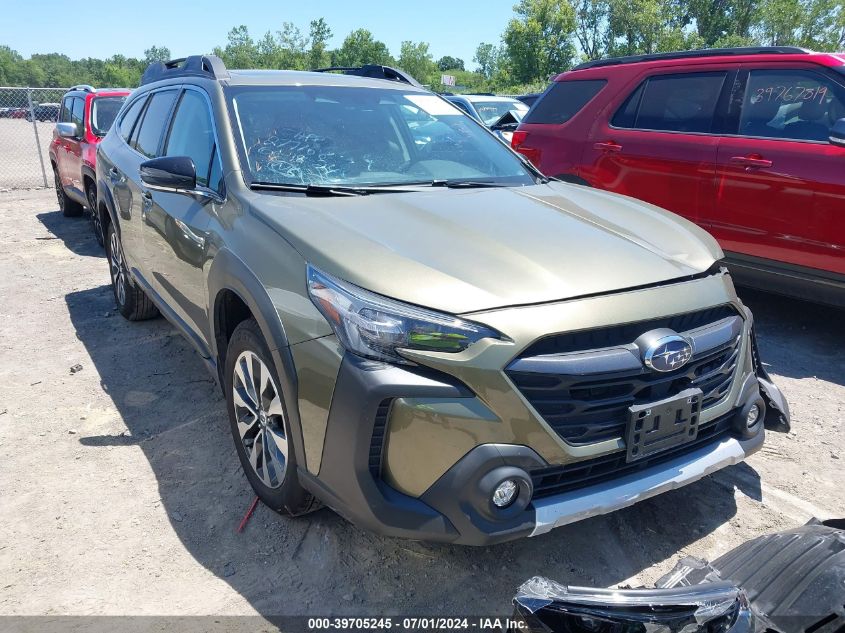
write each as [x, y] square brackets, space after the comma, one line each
[117, 268]
[260, 418]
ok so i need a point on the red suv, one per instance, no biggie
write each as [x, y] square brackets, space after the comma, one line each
[85, 116]
[749, 143]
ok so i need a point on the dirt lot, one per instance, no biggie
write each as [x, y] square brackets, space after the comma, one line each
[120, 490]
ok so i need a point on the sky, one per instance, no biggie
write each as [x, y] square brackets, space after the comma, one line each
[108, 27]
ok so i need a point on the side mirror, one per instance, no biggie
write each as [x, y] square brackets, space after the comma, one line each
[67, 130]
[837, 133]
[173, 173]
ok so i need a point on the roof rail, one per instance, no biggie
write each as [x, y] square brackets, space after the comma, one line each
[705, 52]
[374, 71]
[209, 66]
[83, 87]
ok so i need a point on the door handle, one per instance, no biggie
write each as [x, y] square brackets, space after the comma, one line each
[114, 174]
[755, 161]
[608, 146]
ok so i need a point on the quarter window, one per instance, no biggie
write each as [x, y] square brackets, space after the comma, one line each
[128, 120]
[192, 134]
[148, 138]
[563, 100]
[790, 104]
[674, 103]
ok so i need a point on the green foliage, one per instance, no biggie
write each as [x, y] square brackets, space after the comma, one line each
[320, 34]
[415, 59]
[156, 54]
[360, 47]
[543, 38]
[489, 59]
[450, 63]
[539, 41]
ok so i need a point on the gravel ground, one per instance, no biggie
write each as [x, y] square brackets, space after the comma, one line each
[120, 490]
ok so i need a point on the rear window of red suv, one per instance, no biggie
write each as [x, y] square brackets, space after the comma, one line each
[563, 100]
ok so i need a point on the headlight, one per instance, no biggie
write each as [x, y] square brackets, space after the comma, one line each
[376, 327]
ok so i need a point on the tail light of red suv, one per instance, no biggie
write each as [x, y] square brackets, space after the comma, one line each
[518, 145]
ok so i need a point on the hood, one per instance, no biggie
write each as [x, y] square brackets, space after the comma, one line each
[462, 251]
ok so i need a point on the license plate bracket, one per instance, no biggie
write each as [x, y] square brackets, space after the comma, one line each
[663, 424]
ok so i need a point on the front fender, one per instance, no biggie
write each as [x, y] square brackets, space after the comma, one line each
[229, 272]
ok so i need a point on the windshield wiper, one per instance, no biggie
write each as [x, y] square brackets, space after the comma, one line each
[323, 190]
[466, 184]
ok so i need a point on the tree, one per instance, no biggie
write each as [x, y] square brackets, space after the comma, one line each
[11, 66]
[417, 61]
[320, 34]
[817, 24]
[591, 27]
[240, 50]
[360, 48]
[293, 47]
[156, 54]
[539, 41]
[489, 59]
[450, 63]
[647, 26]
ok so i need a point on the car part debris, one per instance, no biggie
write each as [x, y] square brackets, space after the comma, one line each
[787, 582]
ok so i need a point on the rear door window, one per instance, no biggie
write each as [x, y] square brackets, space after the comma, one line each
[673, 103]
[800, 105]
[148, 138]
[563, 100]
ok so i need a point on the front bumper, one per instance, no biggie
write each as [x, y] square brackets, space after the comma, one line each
[574, 506]
[456, 507]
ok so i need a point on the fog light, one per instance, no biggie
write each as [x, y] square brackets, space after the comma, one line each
[505, 493]
[752, 416]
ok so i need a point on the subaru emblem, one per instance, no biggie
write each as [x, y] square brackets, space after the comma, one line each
[666, 351]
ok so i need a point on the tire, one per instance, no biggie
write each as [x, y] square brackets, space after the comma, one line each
[70, 208]
[131, 301]
[94, 217]
[262, 439]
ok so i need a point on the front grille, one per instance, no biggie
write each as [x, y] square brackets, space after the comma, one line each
[583, 409]
[558, 479]
[625, 333]
[377, 440]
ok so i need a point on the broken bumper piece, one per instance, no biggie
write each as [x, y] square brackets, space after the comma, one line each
[546, 606]
[788, 582]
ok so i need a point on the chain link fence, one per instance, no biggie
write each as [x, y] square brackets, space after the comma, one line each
[27, 118]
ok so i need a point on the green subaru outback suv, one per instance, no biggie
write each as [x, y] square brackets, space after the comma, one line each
[410, 324]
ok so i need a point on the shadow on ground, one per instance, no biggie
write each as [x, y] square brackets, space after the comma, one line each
[782, 321]
[74, 232]
[321, 564]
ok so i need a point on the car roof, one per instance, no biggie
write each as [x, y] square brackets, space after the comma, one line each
[310, 78]
[737, 56]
